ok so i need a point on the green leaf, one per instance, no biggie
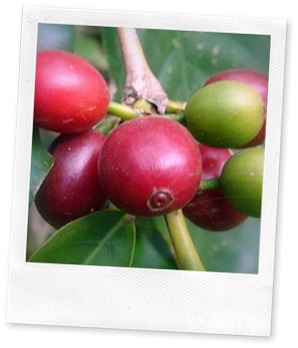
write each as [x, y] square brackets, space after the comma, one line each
[88, 47]
[114, 57]
[184, 60]
[236, 250]
[105, 238]
[153, 245]
[41, 163]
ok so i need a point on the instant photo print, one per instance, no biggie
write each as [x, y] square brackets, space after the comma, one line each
[146, 171]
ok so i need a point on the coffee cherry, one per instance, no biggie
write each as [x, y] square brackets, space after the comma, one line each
[257, 81]
[210, 209]
[55, 37]
[242, 181]
[258, 139]
[150, 166]
[70, 94]
[225, 114]
[72, 188]
[213, 160]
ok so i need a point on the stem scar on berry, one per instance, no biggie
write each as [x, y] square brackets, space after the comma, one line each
[159, 200]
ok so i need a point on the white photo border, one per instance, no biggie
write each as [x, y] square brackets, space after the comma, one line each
[143, 299]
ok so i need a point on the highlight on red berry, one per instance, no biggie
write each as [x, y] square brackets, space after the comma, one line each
[72, 188]
[150, 166]
[70, 94]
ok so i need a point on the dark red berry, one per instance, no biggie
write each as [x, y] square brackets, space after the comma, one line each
[213, 160]
[150, 166]
[70, 94]
[72, 188]
[210, 209]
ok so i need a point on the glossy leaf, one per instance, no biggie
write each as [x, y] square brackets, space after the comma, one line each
[184, 60]
[236, 250]
[114, 58]
[105, 238]
[88, 45]
[153, 245]
[41, 163]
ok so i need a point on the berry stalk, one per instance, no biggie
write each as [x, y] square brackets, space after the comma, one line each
[176, 107]
[186, 253]
[140, 81]
[125, 112]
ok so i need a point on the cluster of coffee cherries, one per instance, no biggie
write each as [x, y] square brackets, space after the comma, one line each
[151, 165]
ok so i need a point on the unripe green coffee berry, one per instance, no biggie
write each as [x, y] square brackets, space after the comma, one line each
[242, 181]
[225, 114]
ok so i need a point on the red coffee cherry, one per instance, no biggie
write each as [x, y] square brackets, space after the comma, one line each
[72, 188]
[70, 94]
[213, 160]
[150, 166]
[256, 80]
[210, 209]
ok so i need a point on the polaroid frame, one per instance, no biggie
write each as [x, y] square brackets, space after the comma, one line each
[143, 299]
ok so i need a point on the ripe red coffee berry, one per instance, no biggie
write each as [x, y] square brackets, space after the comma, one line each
[70, 94]
[213, 160]
[257, 81]
[150, 166]
[210, 209]
[72, 188]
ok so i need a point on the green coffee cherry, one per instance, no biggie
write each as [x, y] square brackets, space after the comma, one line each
[225, 114]
[242, 181]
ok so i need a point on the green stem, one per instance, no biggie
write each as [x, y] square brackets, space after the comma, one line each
[186, 253]
[125, 112]
[142, 107]
[175, 107]
[209, 184]
[108, 124]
